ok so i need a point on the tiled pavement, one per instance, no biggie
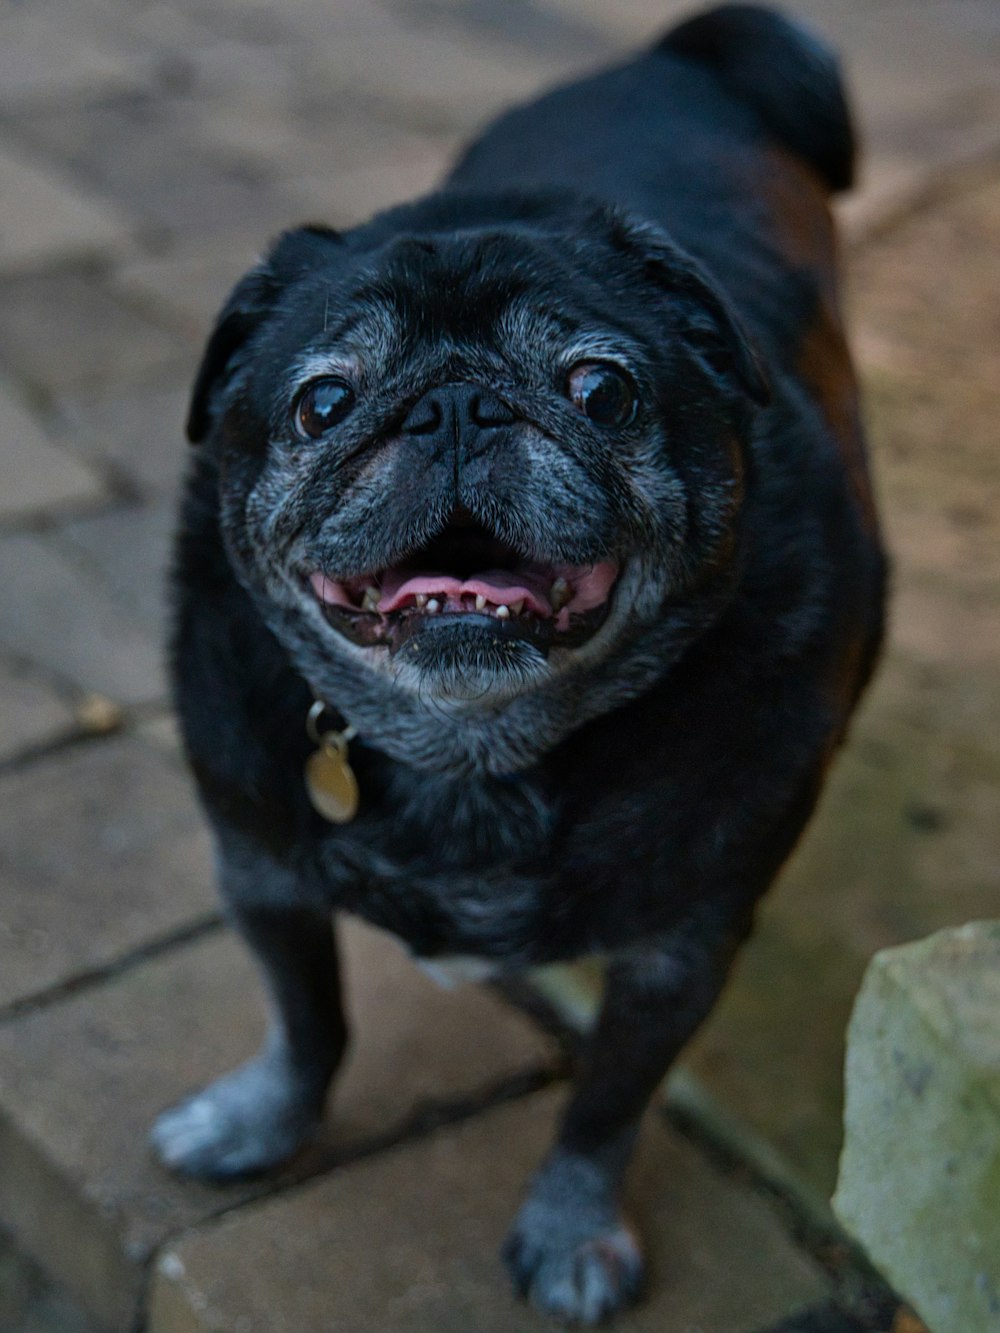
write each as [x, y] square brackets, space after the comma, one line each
[146, 152]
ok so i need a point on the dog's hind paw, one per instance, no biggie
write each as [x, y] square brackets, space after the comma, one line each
[580, 1276]
[249, 1120]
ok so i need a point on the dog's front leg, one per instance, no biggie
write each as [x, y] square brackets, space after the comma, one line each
[258, 1115]
[570, 1249]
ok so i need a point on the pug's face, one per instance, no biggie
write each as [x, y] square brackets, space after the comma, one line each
[480, 473]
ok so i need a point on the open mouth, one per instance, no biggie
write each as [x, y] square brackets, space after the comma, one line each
[466, 575]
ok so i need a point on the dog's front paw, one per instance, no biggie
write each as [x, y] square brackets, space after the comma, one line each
[249, 1120]
[570, 1251]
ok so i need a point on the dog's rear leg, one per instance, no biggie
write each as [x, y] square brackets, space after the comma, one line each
[258, 1115]
[570, 1249]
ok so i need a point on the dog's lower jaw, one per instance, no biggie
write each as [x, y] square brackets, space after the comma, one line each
[487, 731]
[456, 661]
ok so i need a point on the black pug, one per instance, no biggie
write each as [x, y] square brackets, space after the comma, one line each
[544, 500]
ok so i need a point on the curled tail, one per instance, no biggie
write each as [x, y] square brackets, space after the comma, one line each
[790, 77]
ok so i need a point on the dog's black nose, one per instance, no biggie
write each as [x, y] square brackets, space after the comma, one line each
[456, 412]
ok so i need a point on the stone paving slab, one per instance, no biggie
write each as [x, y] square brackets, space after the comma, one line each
[134, 434]
[927, 336]
[47, 218]
[31, 713]
[956, 87]
[127, 552]
[309, 134]
[410, 1241]
[121, 558]
[45, 56]
[101, 852]
[162, 731]
[573, 31]
[414, 68]
[399, 55]
[64, 329]
[36, 473]
[60, 617]
[82, 1079]
[147, 36]
[29, 1303]
[354, 195]
[186, 283]
[624, 24]
[148, 155]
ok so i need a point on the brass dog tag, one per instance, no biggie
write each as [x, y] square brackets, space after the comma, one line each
[329, 778]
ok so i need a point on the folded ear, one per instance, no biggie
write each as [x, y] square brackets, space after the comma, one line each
[705, 320]
[254, 297]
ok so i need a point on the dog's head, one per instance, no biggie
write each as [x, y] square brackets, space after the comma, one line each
[481, 465]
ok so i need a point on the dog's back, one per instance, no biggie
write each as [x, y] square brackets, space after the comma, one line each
[731, 133]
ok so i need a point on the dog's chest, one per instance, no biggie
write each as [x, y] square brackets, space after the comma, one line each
[452, 866]
[475, 823]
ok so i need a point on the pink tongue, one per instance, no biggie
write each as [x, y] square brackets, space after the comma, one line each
[500, 587]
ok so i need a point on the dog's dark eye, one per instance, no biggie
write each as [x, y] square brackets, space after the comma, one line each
[603, 394]
[323, 405]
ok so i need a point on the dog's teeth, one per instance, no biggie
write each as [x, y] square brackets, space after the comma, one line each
[433, 605]
[517, 607]
[559, 594]
[503, 612]
[370, 600]
[480, 601]
[422, 600]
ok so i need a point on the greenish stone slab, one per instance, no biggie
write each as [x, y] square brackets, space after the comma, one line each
[920, 1172]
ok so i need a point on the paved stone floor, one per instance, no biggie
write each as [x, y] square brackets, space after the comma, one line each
[147, 150]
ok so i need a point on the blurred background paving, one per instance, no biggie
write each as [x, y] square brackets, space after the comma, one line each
[147, 151]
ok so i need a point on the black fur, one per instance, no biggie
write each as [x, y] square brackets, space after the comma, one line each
[785, 73]
[635, 795]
